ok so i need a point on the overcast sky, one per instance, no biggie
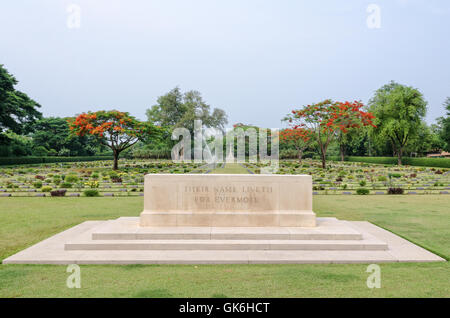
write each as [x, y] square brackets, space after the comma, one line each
[256, 59]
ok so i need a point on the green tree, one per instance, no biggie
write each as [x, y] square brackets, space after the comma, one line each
[54, 133]
[116, 130]
[15, 145]
[17, 110]
[427, 140]
[176, 109]
[399, 111]
[444, 124]
[51, 133]
[328, 119]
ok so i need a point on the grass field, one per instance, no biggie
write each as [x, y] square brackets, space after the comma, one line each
[424, 220]
[232, 168]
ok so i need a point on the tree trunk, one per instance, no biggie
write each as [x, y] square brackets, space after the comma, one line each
[342, 151]
[116, 160]
[399, 156]
[324, 163]
[323, 155]
[300, 155]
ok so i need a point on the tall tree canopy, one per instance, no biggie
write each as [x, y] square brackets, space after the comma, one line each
[444, 122]
[328, 119]
[53, 134]
[177, 109]
[116, 130]
[399, 111]
[17, 110]
[300, 138]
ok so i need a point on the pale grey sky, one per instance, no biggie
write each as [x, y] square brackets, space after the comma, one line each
[256, 59]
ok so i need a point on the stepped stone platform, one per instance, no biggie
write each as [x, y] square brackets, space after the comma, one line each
[124, 241]
[224, 219]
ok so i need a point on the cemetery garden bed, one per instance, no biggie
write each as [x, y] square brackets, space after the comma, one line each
[96, 178]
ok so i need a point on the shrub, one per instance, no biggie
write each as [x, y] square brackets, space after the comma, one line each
[92, 184]
[395, 191]
[362, 191]
[71, 178]
[37, 184]
[362, 183]
[40, 151]
[395, 175]
[66, 185]
[91, 193]
[116, 179]
[46, 189]
[58, 193]
[382, 178]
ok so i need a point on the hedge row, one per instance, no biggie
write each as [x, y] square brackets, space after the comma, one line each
[422, 162]
[36, 160]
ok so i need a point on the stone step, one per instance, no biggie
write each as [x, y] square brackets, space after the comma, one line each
[310, 245]
[224, 234]
[127, 228]
[52, 251]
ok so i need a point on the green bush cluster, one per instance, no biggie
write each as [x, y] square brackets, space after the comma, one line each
[362, 191]
[46, 189]
[421, 162]
[37, 184]
[71, 178]
[91, 193]
[5, 161]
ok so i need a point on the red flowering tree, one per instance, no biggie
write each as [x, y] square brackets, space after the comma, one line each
[328, 119]
[301, 138]
[117, 130]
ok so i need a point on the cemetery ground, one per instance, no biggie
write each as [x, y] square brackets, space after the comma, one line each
[422, 218]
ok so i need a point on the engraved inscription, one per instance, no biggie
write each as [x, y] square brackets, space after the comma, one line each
[225, 196]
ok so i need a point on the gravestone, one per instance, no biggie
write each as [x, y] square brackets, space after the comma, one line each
[228, 200]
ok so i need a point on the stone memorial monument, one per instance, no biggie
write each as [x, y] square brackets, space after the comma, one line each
[224, 219]
[228, 200]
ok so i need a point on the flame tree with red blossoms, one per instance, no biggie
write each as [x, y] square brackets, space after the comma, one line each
[115, 129]
[300, 137]
[328, 119]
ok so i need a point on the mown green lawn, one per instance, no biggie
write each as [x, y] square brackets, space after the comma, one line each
[230, 168]
[424, 220]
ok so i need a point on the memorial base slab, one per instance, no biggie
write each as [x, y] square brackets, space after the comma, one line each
[229, 219]
[124, 241]
[224, 219]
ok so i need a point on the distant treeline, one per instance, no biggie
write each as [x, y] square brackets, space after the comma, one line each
[423, 162]
[37, 160]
